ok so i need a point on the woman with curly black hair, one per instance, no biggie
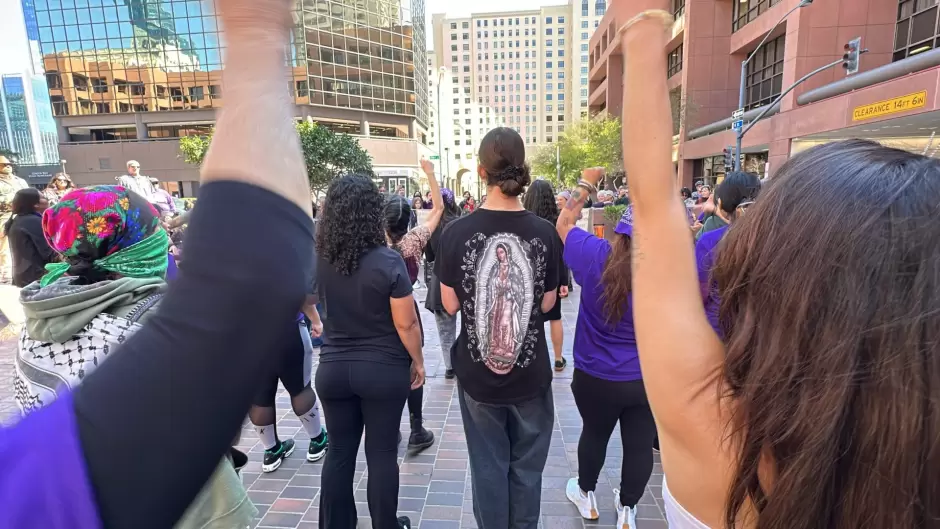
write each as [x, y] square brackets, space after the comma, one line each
[540, 199]
[370, 339]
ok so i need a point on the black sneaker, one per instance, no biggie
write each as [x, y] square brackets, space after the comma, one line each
[449, 374]
[273, 458]
[420, 438]
[561, 364]
[318, 446]
[404, 522]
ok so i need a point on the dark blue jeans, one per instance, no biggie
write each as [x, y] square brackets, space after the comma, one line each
[508, 446]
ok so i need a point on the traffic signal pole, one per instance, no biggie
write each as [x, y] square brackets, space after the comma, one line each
[849, 61]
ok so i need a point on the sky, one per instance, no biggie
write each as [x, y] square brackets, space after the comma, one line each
[14, 50]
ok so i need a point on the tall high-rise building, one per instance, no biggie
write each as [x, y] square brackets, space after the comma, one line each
[143, 73]
[525, 69]
[26, 123]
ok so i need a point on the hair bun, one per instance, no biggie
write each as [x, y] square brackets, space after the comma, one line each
[513, 179]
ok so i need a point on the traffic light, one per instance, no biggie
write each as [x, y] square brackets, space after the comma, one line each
[729, 157]
[850, 58]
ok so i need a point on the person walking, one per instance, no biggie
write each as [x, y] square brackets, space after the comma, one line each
[371, 355]
[410, 243]
[9, 185]
[28, 246]
[445, 321]
[540, 199]
[607, 385]
[58, 187]
[499, 267]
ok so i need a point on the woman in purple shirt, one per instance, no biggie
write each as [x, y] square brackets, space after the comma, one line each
[607, 384]
[136, 441]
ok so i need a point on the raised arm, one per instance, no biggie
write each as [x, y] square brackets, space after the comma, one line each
[437, 211]
[568, 217]
[680, 355]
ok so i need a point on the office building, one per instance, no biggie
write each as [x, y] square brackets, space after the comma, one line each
[26, 123]
[127, 78]
[520, 68]
[892, 98]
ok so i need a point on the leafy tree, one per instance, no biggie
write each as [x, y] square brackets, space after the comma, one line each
[588, 143]
[327, 154]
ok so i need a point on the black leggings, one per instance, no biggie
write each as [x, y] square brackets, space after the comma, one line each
[293, 370]
[357, 395]
[602, 403]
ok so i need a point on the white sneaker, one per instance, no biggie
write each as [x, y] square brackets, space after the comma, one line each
[586, 503]
[626, 517]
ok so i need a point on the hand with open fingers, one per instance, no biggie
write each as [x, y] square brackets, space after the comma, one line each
[593, 175]
[417, 375]
[427, 166]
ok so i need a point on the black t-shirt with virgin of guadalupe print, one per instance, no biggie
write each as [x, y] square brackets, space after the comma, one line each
[500, 263]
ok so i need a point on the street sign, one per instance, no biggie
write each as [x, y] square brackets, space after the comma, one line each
[435, 157]
[737, 125]
[737, 114]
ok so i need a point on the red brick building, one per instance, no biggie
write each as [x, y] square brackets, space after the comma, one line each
[892, 99]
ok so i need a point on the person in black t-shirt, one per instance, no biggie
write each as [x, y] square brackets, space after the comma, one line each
[371, 354]
[500, 268]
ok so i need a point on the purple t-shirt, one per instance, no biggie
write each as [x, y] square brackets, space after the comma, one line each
[44, 482]
[599, 350]
[705, 260]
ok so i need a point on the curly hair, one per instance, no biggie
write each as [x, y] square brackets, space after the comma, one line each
[540, 199]
[352, 222]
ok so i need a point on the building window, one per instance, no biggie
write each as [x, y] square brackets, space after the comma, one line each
[53, 80]
[465, 25]
[548, 20]
[453, 25]
[600, 7]
[674, 62]
[764, 79]
[678, 8]
[746, 11]
[916, 30]
[584, 8]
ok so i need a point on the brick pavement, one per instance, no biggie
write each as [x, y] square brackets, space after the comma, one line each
[435, 485]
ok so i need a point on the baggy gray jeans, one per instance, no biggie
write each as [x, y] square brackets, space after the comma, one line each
[508, 446]
[447, 331]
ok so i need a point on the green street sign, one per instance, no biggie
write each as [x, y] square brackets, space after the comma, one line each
[435, 157]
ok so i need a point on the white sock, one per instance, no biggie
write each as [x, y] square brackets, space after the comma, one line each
[267, 434]
[311, 421]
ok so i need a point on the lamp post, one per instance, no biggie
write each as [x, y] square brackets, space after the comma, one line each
[741, 94]
[62, 164]
[440, 139]
[447, 155]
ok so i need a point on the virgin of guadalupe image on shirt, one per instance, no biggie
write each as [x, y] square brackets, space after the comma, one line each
[504, 297]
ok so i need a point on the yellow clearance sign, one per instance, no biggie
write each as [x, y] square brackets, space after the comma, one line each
[890, 106]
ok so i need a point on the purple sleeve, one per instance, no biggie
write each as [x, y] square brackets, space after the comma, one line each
[44, 482]
[705, 261]
[584, 252]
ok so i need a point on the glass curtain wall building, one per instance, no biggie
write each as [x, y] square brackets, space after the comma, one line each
[132, 56]
[26, 123]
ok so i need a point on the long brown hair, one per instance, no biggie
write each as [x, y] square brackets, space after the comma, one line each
[830, 301]
[616, 279]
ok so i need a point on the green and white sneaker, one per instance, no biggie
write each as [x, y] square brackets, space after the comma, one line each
[273, 458]
[318, 446]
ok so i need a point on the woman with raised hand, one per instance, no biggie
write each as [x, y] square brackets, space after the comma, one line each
[410, 243]
[818, 409]
[371, 356]
[607, 384]
[134, 444]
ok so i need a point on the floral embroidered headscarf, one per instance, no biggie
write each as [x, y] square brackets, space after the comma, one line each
[105, 229]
